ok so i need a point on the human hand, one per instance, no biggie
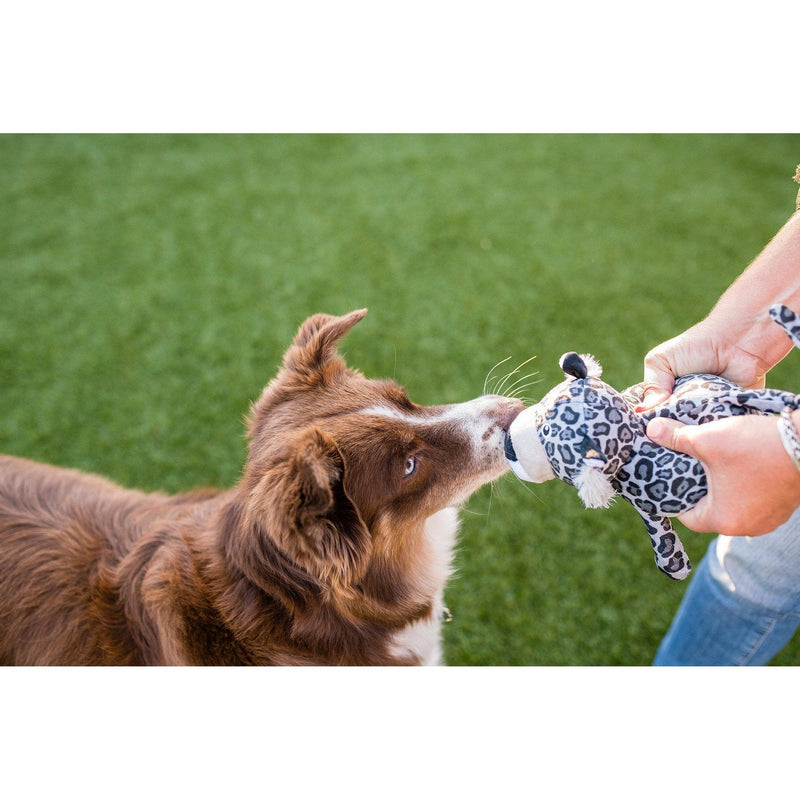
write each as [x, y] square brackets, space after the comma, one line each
[753, 485]
[705, 347]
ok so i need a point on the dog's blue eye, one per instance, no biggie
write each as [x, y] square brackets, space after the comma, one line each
[411, 465]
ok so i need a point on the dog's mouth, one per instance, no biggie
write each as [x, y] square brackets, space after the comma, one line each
[508, 447]
[510, 409]
[516, 409]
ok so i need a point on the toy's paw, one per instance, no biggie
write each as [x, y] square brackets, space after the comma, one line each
[677, 569]
[668, 550]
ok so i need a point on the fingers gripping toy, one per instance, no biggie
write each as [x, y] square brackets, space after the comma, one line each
[590, 436]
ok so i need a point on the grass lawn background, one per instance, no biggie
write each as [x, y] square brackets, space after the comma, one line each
[150, 284]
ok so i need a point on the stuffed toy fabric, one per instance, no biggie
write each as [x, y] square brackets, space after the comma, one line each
[590, 436]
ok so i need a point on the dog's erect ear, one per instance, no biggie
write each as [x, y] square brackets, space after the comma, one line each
[314, 346]
[311, 360]
[300, 502]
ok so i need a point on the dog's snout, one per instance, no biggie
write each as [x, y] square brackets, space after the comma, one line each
[505, 410]
[513, 410]
[486, 419]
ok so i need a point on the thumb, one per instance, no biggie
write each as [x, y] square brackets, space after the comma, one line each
[658, 381]
[671, 433]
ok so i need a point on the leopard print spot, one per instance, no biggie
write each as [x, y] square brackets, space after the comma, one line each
[675, 564]
[667, 545]
[566, 455]
[694, 497]
[570, 416]
[657, 490]
[665, 459]
[625, 434]
[681, 486]
[681, 467]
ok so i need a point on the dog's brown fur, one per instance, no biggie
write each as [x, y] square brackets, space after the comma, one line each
[320, 555]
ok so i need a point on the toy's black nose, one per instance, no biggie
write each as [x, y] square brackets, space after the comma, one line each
[508, 448]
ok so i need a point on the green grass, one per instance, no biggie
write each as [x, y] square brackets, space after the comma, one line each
[149, 285]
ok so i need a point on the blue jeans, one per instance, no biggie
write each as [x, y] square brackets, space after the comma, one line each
[743, 603]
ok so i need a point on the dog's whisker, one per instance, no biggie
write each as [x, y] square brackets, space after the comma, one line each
[472, 512]
[512, 374]
[528, 488]
[510, 389]
[502, 381]
[519, 391]
[525, 377]
[489, 373]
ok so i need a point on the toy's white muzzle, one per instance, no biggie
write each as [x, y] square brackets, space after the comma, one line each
[524, 452]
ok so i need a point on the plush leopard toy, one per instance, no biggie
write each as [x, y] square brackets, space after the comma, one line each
[590, 436]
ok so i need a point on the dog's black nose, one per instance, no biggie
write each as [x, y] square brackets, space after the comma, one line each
[508, 448]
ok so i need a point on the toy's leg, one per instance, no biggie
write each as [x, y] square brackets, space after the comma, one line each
[668, 549]
[765, 401]
[742, 605]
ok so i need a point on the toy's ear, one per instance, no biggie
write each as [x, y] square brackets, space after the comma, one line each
[524, 450]
[580, 366]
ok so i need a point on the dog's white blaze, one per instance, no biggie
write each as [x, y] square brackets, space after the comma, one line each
[423, 638]
[474, 420]
[473, 417]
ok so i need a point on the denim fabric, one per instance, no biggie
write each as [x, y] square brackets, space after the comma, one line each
[743, 603]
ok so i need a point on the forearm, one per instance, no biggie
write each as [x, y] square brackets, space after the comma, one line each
[773, 277]
[737, 339]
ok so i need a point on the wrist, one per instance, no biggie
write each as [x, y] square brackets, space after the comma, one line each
[748, 343]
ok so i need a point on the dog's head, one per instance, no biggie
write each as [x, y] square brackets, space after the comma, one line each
[343, 471]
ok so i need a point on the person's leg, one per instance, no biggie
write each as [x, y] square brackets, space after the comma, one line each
[743, 603]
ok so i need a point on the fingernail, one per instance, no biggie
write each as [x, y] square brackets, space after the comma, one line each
[648, 402]
[652, 397]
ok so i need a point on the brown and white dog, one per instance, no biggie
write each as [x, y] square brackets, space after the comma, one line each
[334, 548]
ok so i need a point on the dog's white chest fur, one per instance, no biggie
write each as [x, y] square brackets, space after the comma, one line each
[423, 638]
